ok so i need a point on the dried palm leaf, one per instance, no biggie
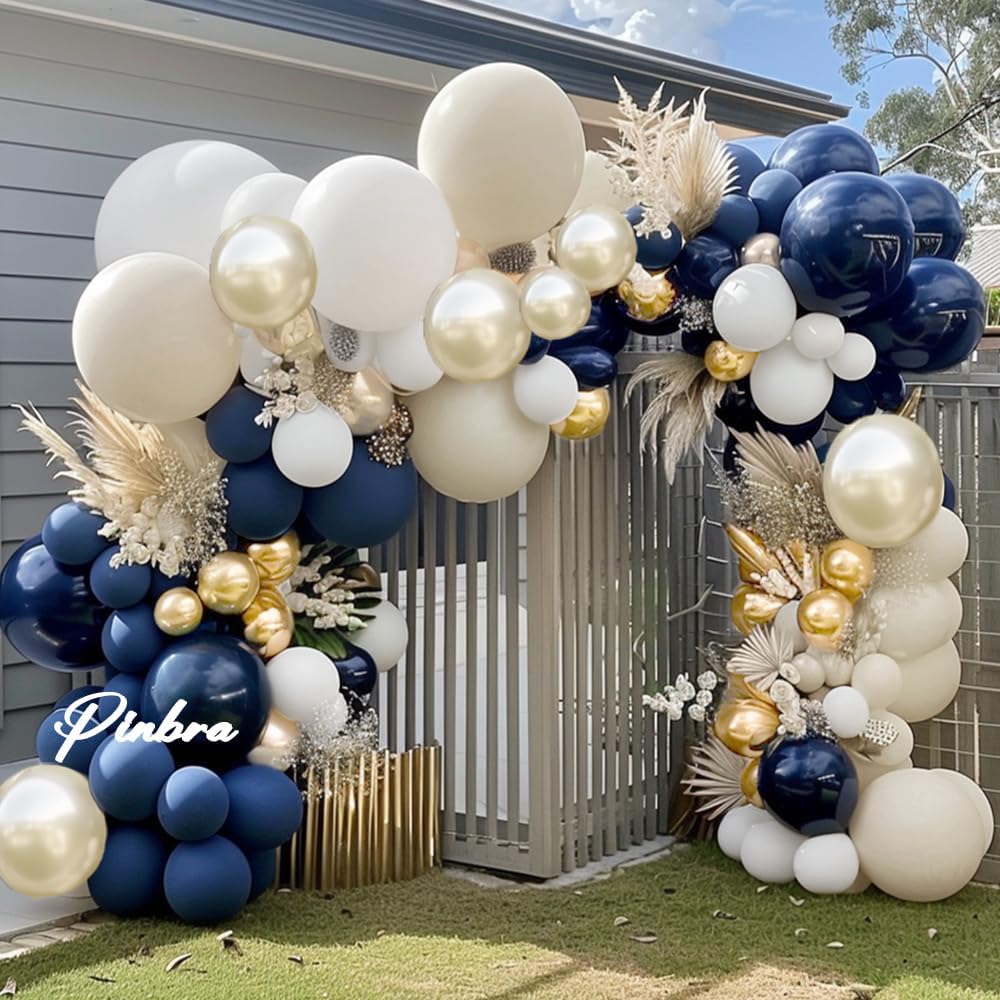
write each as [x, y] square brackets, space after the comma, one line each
[770, 459]
[714, 775]
[759, 658]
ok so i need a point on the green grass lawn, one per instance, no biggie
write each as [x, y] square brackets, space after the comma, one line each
[693, 916]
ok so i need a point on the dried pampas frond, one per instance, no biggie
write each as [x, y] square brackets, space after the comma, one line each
[760, 657]
[770, 459]
[714, 776]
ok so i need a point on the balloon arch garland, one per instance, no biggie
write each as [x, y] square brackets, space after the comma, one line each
[270, 362]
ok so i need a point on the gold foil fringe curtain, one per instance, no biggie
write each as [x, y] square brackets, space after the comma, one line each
[370, 818]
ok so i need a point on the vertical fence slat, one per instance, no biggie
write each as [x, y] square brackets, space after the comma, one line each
[450, 667]
[471, 668]
[492, 707]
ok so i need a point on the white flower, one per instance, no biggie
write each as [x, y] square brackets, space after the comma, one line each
[790, 672]
[782, 693]
[684, 687]
[703, 698]
[674, 712]
[708, 681]
[697, 712]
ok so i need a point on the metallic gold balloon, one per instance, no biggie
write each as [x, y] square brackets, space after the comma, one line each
[470, 255]
[554, 303]
[751, 550]
[268, 622]
[228, 582]
[823, 615]
[276, 560]
[52, 833]
[300, 337]
[748, 783]
[726, 363]
[751, 607]
[848, 567]
[368, 402]
[649, 298]
[263, 271]
[277, 744]
[178, 611]
[597, 244]
[473, 326]
[764, 248]
[746, 725]
[593, 407]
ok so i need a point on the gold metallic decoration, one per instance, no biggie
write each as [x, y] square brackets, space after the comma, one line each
[751, 550]
[748, 783]
[277, 744]
[726, 363]
[648, 299]
[268, 622]
[178, 611]
[388, 444]
[228, 583]
[276, 560]
[746, 725]
[593, 407]
[298, 338]
[848, 567]
[823, 616]
[368, 402]
[912, 403]
[764, 248]
[751, 607]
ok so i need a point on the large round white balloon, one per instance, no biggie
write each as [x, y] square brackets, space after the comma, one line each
[301, 679]
[471, 442]
[272, 194]
[768, 852]
[405, 360]
[918, 618]
[313, 448]
[939, 550]
[930, 683]
[855, 359]
[597, 185]
[846, 711]
[509, 174]
[545, 391]
[384, 636]
[754, 308]
[979, 799]
[878, 678]
[149, 339]
[826, 864]
[735, 825]
[787, 387]
[384, 239]
[171, 200]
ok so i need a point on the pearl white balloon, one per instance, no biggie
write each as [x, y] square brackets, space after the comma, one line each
[171, 200]
[786, 623]
[788, 388]
[302, 678]
[313, 448]
[878, 678]
[812, 676]
[255, 359]
[918, 618]
[901, 747]
[149, 339]
[272, 194]
[735, 825]
[597, 245]
[545, 391]
[754, 308]
[597, 185]
[930, 683]
[826, 864]
[979, 799]
[384, 239]
[405, 360]
[768, 852]
[846, 711]
[818, 335]
[940, 549]
[855, 359]
[384, 636]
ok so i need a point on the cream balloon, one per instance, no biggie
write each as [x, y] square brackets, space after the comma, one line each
[266, 194]
[882, 480]
[901, 747]
[940, 549]
[870, 768]
[754, 308]
[471, 442]
[878, 678]
[384, 636]
[301, 679]
[405, 360]
[189, 440]
[917, 618]
[788, 387]
[507, 175]
[786, 623]
[930, 683]
[597, 244]
[837, 669]
[768, 851]
[52, 833]
[149, 339]
[546, 390]
[979, 799]
[171, 200]
[313, 448]
[598, 184]
[812, 676]
[554, 303]
[735, 825]
[919, 836]
[826, 864]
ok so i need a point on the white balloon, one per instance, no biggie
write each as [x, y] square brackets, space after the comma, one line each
[837, 669]
[846, 711]
[384, 636]
[930, 683]
[348, 349]
[149, 339]
[545, 391]
[384, 239]
[878, 678]
[266, 194]
[734, 826]
[255, 358]
[918, 618]
[938, 551]
[313, 448]
[787, 387]
[302, 678]
[818, 335]
[868, 769]
[826, 864]
[754, 308]
[855, 359]
[405, 360]
[786, 623]
[768, 852]
[812, 676]
[901, 747]
[597, 185]
[979, 799]
[171, 200]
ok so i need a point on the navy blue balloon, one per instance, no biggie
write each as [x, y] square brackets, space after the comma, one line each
[592, 366]
[737, 219]
[222, 680]
[78, 692]
[816, 150]
[704, 263]
[809, 784]
[936, 213]
[357, 670]
[48, 742]
[695, 342]
[48, 612]
[230, 427]
[748, 165]
[131, 639]
[606, 328]
[887, 387]
[262, 502]
[263, 868]
[126, 777]
[796, 433]
[822, 451]
[662, 326]
[771, 193]
[122, 586]
[129, 686]
[850, 401]
[207, 881]
[193, 804]
[730, 457]
[933, 322]
[161, 584]
[736, 409]
[846, 243]
[950, 500]
[656, 251]
[70, 533]
[538, 347]
[367, 505]
[265, 807]
[129, 880]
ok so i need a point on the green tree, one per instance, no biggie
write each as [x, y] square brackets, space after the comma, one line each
[951, 130]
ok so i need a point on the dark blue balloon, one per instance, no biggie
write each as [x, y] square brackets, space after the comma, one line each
[48, 741]
[695, 342]
[131, 639]
[70, 533]
[208, 881]
[129, 686]
[887, 387]
[193, 804]
[126, 778]
[367, 505]
[122, 586]
[606, 328]
[161, 584]
[737, 219]
[223, 681]
[592, 366]
[538, 347]
[129, 880]
[796, 433]
[771, 193]
[357, 670]
[265, 807]
[950, 499]
[736, 409]
[822, 451]
[230, 427]
[851, 401]
[936, 213]
[47, 610]
[78, 692]
[816, 150]
[730, 457]
[748, 165]
[846, 243]
[704, 263]
[657, 250]
[262, 502]
[809, 784]
[263, 868]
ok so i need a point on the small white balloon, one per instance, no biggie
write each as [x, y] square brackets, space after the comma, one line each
[818, 335]
[878, 678]
[734, 827]
[827, 864]
[918, 618]
[384, 636]
[350, 350]
[272, 193]
[979, 799]
[787, 387]
[846, 711]
[405, 360]
[837, 669]
[313, 448]
[812, 676]
[939, 550]
[754, 308]
[901, 747]
[768, 852]
[301, 678]
[786, 623]
[855, 359]
[930, 683]
[545, 391]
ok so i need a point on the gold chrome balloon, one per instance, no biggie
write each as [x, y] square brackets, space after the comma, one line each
[593, 407]
[554, 303]
[228, 582]
[748, 783]
[751, 607]
[268, 622]
[649, 298]
[263, 272]
[178, 611]
[367, 404]
[276, 560]
[746, 725]
[277, 744]
[823, 615]
[597, 244]
[764, 248]
[848, 567]
[470, 255]
[752, 551]
[726, 363]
